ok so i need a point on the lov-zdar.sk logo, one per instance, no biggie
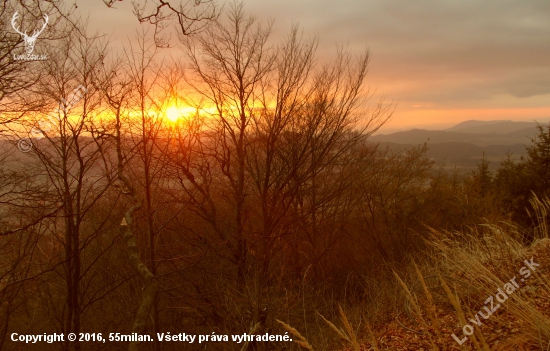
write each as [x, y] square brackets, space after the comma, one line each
[29, 40]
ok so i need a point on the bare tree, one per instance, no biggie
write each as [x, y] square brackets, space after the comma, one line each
[71, 164]
[135, 98]
[390, 187]
[151, 286]
[236, 63]
[274, 130]
[146, 140]
[27, 212]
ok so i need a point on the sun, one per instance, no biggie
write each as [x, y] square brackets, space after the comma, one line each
[173, 113]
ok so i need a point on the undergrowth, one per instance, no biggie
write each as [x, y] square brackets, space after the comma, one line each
[433, 301]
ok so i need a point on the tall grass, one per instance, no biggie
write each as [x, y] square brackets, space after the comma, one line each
[483, 260]
[469, 267]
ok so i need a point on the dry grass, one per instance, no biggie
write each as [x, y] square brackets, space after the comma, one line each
[489, 262]
[346, 334]
[470, 266]
[480, 262]
[539, 216]
[430, 306]
[301, 340]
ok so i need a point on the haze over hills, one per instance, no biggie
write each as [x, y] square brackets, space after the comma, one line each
[480, 133]
[463, 145]
[491, 127]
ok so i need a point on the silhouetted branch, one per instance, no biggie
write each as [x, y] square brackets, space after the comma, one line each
[191, 15]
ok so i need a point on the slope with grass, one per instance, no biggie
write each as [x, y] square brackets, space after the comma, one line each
[456, 289]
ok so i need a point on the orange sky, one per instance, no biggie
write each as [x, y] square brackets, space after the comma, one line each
[441, 61]
[427, 118]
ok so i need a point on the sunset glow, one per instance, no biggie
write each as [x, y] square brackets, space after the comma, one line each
[173, 113]
[499, 64]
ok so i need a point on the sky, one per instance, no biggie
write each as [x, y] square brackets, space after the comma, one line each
[440, 61]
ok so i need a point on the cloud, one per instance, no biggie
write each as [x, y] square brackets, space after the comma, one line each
[449, 49]
[445, 53]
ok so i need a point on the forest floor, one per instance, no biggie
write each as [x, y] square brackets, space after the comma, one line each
[500, 331]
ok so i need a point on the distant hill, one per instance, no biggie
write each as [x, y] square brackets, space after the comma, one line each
[484, 135]
[491, 127]
[464, 144]
[524, 133]
[464, 155]
[420, 136]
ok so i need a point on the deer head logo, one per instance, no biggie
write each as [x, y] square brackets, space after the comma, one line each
[29, 40]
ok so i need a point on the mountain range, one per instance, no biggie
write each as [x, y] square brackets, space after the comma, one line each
[464, 144]
[461, 146]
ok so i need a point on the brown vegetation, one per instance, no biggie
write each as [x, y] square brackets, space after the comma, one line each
[268, 210]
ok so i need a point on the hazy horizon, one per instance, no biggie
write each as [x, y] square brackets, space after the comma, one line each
[444, 126]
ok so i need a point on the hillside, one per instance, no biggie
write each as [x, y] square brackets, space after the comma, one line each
[465, 155]
[465, 143]
[491, 127]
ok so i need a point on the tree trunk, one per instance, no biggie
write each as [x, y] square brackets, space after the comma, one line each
[149, 293]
